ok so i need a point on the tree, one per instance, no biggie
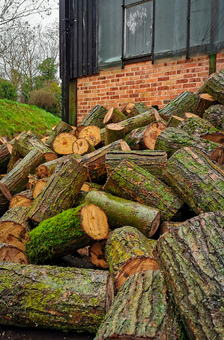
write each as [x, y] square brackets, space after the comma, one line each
[7, 90]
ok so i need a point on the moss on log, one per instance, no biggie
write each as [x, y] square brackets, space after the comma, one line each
[214, 85]
[95, 116]
[215, 115]
[196, 179]
[197, 126]
[122, 212]
[131, 182]
[191, 260]
[52, 297]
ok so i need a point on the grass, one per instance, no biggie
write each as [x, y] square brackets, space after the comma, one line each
[16, 117]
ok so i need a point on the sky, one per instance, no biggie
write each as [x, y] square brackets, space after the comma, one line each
[47, 19]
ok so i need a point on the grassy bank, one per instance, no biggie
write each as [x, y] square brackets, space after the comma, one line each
[16, 117]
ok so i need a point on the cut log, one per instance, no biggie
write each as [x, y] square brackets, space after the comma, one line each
[134, 109]
[131, 182]
[113, 132]
[14, 227]
[66, 232]
[196, 179]
[185, 102]
[95, 117]
[61, 127]
[174, 121]
[32, 180]
[17, 178]
[38, 187]
[96, 254]
[197, 126]
[128, 252]
[77, 262]
[150, 160]
[214, 85]
[52, 297]
[87, 187]
[9, 253]
[63, 143]
[122, 212]
[191, 260]
[95, 161]
[204, 102]
[91, 133]
[173, 139]
[46, 169]
[139, 311]
[81, 146]
[215, 115]
[4, 157]
[23, 199]
[113, 115]
[14, 157]
[61, 190]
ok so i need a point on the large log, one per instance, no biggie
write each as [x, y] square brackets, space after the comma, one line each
[204, 102]
[63, 143]
[5, 153]
[122, 212]
[215, 115]
[60, 191]
[196, 179]
[150, 160]
[214, 85]
[9, 253]
[127, 252]
[185, 102]
[61, 127]
[52, 297]
[66, 232]
[197, 126]
[191, 258]
[95, 117]
[113, 115]
[131, 182]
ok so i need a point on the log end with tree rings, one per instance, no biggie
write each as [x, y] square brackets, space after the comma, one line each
[94, 222]
[81, 146]
[91, 133]
[96, 254]
[10, 253]
[151, 134]
[63, 143]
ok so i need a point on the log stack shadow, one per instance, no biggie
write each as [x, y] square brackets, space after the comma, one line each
[116, 227]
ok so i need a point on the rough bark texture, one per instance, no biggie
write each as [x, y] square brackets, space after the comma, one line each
[131, 182]
[214, 85]
[134, 109]
[197, 126]
[185, 102]
[174, 121]
[60, 191]
[196, 179]
[113, 132]
[95, 116]
[122, 212]
[113, 115]
[124, 246]
[52, 297]
[191, 259]
[215, 115]
[9, 253]
[66, 232]
[204, 102]
[150, 160]
[46, 169]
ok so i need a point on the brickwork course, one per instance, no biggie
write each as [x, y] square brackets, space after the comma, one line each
[155, 84]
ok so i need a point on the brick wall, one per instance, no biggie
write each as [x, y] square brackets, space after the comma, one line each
[153, 84]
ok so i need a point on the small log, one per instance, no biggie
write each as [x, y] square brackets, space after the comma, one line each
[87, 187]
[61, 127]
[197, 126]
[52, 297]
[95, 161]
[197, 180]
[113, 115]
[191, 260]
[204, 102]
[215, 115]
[122, 212]
[150, 160]
[174, 121]
[5, 154]
[60, 191]
[14, 157]
[63, 143]
[134, 109]
[46, 169]
[9, 253]
[96, 254]
[185, 102]
[128, 252]
[39, 185]
[81, 146]
[189, 115]
[91, 133]
[95, 117]
[114, 132]
[131, 182]
[214, 85]
[66, 232]
[14, 227]
[23, 199]
[32, 180]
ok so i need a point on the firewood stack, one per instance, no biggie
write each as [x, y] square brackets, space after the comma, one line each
[116, 227]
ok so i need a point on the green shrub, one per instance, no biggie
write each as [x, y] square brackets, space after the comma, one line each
[46, 100]
[7, 90]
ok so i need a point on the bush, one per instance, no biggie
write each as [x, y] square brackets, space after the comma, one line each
[7, 90]
[46, 100]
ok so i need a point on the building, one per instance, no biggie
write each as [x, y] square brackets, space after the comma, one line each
[116, 51]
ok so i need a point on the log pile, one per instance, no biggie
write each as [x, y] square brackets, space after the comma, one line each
[116, 227]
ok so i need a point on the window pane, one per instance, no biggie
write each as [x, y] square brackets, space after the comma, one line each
[200, 22]
[138, 29]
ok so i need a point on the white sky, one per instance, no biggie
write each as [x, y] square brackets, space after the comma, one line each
[47, 19]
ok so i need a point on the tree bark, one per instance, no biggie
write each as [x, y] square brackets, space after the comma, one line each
[150, 160]
[214, 85]
[191, 259]
[196, 179]
[134, 109]
[52, 297]
[122, 212]
[114, 132]
[113, 115]
[66, 232]
[61, 190]
[197, 126]
[204, 102]
[131, 182]
[215, 115]
[9, 253]
[174, 121]
[47, 168]
[14, 227]
[95, 117]
[128, 252]
[185, 102]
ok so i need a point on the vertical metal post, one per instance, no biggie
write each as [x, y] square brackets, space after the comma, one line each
[188, 29]
[123, 34]
[212, 63]
[73, 102]
[153, 30]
